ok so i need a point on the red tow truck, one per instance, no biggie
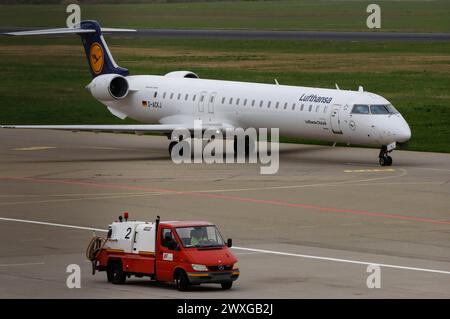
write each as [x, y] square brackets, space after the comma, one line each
[187, 252]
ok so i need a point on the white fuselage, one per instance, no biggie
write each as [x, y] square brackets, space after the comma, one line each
[311, 113]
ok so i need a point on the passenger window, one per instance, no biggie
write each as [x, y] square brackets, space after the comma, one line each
[303, 106]
[202, 98]
[223, 100]
[325, 109]
[379, 109]
[261, 103]
[186, 97]
[285, 105]
[317, 108]
[245, 102]
[171, 96]
[360, 109]
[179, 96]
[277, 105]
[268, 104]
[193, 98]
[253, 103]
[237, 102]
[164, 95]
[212, 99]
[231, 100]
[310, 108]
[156, 93]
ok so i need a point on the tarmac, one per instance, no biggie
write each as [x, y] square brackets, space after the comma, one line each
[313, 230]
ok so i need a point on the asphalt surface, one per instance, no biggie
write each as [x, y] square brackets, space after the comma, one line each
[294, 35]
[326, 215]
[278, 35]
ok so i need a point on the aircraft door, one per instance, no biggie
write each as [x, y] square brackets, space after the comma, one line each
[335, 121]
[211, 100]
[201, 103]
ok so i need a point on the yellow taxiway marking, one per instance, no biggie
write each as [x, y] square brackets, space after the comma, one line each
[34, 148]
[376, 170]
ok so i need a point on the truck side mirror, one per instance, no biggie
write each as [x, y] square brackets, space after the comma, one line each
[229, 242]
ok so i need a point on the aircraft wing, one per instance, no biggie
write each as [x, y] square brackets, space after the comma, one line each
[138, 128]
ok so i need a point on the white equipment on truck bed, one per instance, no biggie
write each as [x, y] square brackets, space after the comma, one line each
[132, 237]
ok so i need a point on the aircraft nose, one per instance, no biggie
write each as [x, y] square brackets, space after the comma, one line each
[403, 132]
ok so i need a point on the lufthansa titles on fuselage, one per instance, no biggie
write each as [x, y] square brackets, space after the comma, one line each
[315, 98]
[316, 122]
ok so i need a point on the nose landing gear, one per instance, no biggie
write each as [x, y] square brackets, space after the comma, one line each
[384, 158]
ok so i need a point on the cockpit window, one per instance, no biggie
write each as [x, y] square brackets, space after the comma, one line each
[374, 109]
[379, 109]
[360, 109]
[391, 109]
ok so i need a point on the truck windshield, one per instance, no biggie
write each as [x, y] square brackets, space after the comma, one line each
[201, 236]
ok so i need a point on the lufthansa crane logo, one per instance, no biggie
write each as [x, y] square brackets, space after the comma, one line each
[96, 58]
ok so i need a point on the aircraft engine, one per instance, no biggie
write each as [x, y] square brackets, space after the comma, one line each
[109, 87]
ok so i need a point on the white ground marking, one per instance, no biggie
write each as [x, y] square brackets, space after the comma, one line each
[23, 264]
[50, 224]
[343, 260]
[34, 148]
[349, 261]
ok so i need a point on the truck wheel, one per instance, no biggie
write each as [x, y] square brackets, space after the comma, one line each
[109, 274]
[182, 281]
[227, 285]
[115, 274]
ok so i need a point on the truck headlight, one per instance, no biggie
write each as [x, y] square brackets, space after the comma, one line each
[197, 267]
[236, 266]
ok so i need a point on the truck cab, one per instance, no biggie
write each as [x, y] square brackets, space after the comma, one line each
[184, 252]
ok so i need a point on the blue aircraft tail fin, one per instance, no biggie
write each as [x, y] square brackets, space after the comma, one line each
[100, 59]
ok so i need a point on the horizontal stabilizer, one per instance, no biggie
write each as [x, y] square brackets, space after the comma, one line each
[60, 31]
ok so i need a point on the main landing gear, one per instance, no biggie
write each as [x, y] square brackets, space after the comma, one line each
[173, 143]
[384, 158]
[249, 146]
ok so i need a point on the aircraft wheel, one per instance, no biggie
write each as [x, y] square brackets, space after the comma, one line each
[388, 161]
[171, 145]
[249, 146]
[385, 161]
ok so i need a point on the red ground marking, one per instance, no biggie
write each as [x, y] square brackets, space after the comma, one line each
[234, 198]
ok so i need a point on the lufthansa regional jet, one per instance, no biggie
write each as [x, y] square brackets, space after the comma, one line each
[175, 100]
